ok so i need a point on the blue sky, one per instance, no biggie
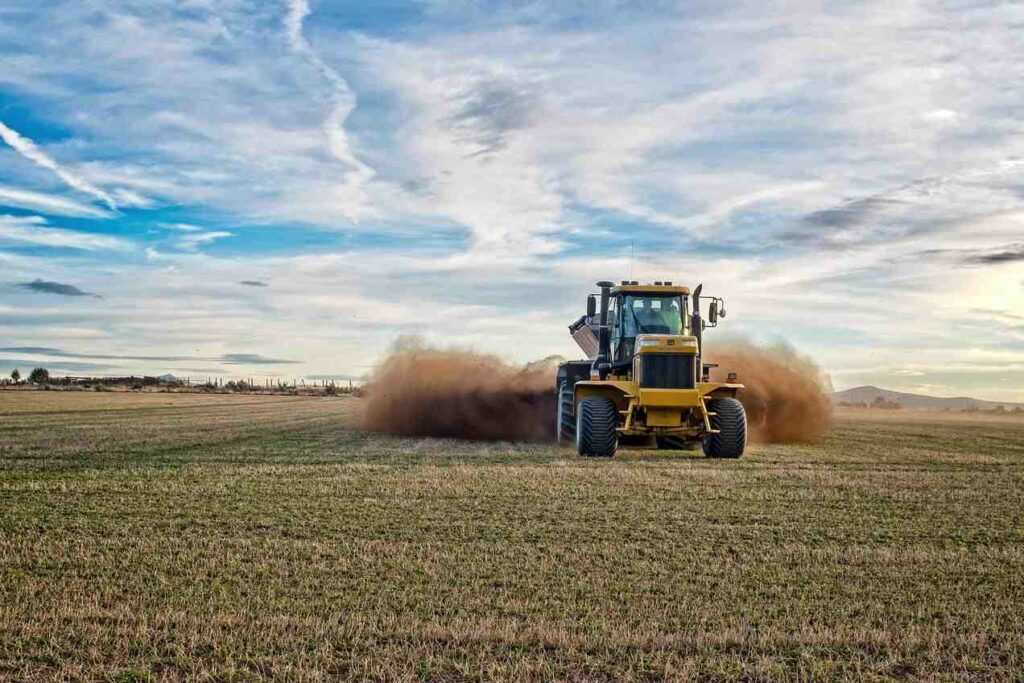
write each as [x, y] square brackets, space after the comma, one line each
[284, 188]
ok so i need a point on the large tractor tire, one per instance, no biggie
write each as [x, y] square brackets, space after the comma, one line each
[565, 420]
[731, 422]
[596, 421]
[675, 443]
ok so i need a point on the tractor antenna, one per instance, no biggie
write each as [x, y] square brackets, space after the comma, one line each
[632, 259]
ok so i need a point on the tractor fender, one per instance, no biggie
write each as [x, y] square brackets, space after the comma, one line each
[619, 392]
[724, 391]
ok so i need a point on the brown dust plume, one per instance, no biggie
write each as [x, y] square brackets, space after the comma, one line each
[423, 391]
[785, 395]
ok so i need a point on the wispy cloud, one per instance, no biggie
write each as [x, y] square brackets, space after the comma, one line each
[194, 240]
[61, 353]
[490, 112]
[848, 223]
[59, 288]
[253, 283]
[227, 359]
[48, 203]
[343, 378]
[9, 364]
[34, 230]
[298, 10]
[252, 359]
[344, 103]
[28, 149]
[1009, 254]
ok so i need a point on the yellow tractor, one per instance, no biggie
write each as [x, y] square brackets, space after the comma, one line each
[644, 376]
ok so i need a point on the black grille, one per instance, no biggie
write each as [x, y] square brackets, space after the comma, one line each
[667, 371]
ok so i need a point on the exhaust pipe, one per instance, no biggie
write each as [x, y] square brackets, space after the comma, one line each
[602, 364]
[697, 329]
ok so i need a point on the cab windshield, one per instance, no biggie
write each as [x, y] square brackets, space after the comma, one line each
[652, 315]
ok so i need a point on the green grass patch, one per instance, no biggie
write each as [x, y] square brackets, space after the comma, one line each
[233, 538]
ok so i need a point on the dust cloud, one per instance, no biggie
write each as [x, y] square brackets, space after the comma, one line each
[418, 390]
[785, 395]
[423, 391]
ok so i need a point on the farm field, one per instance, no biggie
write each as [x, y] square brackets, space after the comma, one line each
[232, 537]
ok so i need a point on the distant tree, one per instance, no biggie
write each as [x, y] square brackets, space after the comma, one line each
[39, 376]
[15, 376]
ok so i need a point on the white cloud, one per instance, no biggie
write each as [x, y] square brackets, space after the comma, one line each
[193, 240]
[34, 230]
[28, 149]
[351, 192]
[298, 10]
[48, 203]
[480, 163]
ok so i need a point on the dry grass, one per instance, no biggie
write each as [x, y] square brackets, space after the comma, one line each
[152, 537]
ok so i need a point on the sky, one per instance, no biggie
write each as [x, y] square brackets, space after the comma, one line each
[221, 188]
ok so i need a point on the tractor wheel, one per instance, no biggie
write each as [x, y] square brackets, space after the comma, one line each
[675, 443]
[731, 422]
[596, 421]
[565, 420]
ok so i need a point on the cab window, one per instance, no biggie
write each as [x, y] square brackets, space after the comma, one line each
[651, 315]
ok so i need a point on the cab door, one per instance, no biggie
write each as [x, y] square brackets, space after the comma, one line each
[623, 338]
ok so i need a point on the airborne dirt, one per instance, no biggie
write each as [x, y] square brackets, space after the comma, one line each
[784, 394]
[423, 391]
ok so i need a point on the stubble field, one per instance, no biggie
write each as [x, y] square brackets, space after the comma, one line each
[183, 536]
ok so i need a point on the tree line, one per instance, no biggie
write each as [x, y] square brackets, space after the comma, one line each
[37, 376]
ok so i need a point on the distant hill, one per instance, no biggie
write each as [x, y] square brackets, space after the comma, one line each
[870, 394]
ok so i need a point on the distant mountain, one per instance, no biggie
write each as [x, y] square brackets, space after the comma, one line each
[870, 394]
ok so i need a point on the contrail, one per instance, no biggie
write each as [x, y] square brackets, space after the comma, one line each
[298, 10]
[28, 149]
[48, 203]
[344, 98]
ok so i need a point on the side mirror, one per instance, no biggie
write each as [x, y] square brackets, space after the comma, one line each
[713, 312]
[591, 305]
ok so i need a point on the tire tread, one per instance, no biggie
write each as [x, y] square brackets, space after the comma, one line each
[731, 422]
[566, 416]
[597, 422]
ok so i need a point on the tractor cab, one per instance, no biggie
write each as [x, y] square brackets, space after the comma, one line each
[638, 310]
